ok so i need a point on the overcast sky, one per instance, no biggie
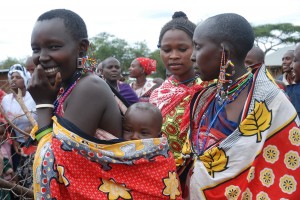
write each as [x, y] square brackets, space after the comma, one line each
[132, 20]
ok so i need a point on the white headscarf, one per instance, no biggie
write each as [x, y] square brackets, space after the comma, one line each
[21, 71]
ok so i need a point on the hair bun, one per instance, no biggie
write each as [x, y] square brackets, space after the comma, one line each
[179, 14]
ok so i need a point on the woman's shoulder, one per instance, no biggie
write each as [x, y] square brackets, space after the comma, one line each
[91, 83]
[92, 87]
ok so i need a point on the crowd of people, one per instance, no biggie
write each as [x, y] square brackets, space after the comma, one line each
[218, 127]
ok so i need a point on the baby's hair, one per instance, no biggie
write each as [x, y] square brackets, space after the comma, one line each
[145, 106]
[73, 22]
[179, 21]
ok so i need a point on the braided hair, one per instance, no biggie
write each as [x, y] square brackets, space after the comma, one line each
[179, 21]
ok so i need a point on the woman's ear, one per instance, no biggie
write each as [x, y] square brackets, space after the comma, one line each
[226, 49]
[84, 45]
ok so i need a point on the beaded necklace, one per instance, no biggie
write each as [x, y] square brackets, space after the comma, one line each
[65, 93]
[176, 82]
[233, 91]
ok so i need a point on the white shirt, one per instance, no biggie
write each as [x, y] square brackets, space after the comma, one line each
[16, 115]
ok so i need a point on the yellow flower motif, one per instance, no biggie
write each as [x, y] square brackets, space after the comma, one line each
[251, 174]
[291, 160]
[294, 136]
[288, 184]
[232, 192]
[262, 196]
[271, 154]
[61, 175]
[247, 194]
[114, 190]
[267, 177]
[172, 186]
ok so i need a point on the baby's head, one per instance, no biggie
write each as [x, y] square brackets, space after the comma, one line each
[142, 120]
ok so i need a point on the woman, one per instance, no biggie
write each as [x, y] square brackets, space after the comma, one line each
[237, 128]
[174, 95]
[70, 162]
[140, 68]
[18, 78]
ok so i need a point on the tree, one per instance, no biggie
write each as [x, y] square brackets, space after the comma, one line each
[273, 36]
[6, 64]
[105, 45]
[160, 68]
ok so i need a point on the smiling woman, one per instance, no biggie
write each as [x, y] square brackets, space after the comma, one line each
[69, 156]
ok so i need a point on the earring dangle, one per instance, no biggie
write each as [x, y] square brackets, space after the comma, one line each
[224, 64]
[79, 63]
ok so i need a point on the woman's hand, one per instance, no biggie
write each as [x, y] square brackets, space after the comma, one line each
[40, 88]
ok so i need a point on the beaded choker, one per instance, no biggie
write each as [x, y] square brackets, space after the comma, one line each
[186, 81]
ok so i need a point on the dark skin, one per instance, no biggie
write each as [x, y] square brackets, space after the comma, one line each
[207, 55]
[55, 54]
[137, 71]
[297, 64]
[111, 71]
[141, 124]
[175, 52]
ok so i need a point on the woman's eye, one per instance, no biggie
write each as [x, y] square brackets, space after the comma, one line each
[35, 50]
[197, 47]
[166, 50]
[182, 49]
[54, 47]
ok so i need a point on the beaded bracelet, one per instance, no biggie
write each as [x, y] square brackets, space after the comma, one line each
[43, 133]
[45, 105]
[43, 128]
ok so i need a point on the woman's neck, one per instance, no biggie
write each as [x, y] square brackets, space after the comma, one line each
[140, 81]
[23, 90]
[185, 78]
[71, 80]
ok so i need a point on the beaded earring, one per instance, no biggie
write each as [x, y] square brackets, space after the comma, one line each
[224, 64]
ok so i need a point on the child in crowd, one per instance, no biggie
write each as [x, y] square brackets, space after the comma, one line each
[142, 120]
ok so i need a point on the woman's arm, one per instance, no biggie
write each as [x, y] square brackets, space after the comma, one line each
[91, 105]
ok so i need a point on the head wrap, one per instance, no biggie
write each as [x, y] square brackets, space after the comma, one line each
[148, 64]
[21, 71]
[179, 21]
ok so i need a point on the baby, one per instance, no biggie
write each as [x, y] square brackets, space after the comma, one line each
[142, 120]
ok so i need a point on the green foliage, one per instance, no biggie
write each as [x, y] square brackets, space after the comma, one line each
[6, 64]
[105, 45]
[160, 68]
[273, 36]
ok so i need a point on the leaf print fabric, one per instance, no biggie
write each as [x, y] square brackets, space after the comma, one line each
[259, 159]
